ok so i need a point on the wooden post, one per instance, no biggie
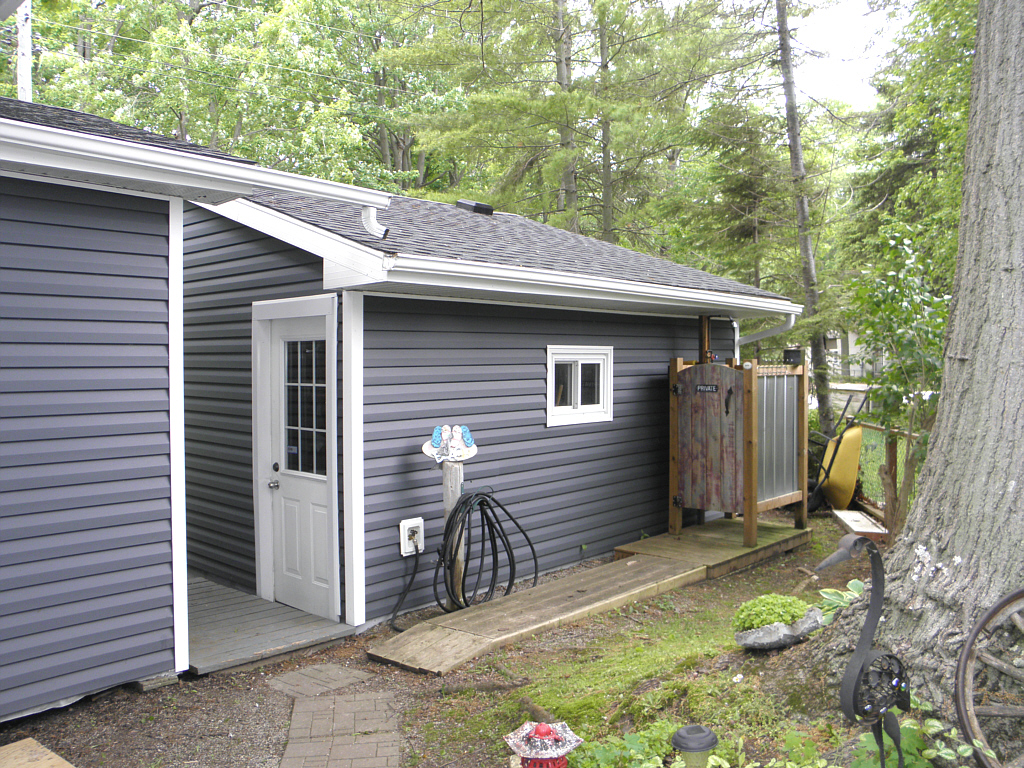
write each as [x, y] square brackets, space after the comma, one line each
[750, 454]
[675, 513]
[704, 352]
[452, 478]
[802, 435]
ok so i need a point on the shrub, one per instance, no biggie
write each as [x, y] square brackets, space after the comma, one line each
[768, 609]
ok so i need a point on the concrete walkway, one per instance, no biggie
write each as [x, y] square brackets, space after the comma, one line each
[357, 730]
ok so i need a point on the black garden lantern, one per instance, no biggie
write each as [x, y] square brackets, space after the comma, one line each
[695, 742]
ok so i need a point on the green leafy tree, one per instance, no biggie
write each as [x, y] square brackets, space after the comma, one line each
[292, 85]
[575, 110]
[913, 149]
[902, 323]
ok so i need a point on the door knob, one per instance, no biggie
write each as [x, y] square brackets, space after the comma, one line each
[273, 484]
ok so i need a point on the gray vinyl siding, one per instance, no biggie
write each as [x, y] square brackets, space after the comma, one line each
[85, 523]
[578, 490]
[227, 268]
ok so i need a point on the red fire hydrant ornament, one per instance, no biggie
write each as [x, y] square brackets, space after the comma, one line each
[543, 745]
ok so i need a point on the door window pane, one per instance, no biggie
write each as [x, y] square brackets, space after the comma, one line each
[306, 406]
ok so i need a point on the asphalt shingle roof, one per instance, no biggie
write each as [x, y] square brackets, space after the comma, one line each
[426, 228]
[81, 122]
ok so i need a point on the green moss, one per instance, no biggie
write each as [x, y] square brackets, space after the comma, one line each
[768, 609]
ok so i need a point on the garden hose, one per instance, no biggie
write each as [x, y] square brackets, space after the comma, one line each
[493, 540]
[408, 587]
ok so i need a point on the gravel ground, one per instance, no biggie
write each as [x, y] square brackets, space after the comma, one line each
[237, 720]
[224, 720]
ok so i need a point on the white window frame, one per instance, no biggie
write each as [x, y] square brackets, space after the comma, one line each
[575, 413]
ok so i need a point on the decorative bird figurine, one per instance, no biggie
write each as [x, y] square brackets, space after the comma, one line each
[873, 682]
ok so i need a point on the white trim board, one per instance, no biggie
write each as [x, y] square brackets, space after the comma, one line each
[63, 154]
[176, 398]
[352, 452]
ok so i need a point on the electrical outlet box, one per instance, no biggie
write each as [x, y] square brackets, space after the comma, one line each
[410, 536]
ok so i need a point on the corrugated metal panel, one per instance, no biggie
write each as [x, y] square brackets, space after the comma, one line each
[578, 490]
[777, 435]
[85, 577]
[227, 268]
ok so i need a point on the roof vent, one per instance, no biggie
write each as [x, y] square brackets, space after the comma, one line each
[474, 207]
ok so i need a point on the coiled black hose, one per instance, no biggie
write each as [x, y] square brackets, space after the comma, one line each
[405, 592]
[492, 541]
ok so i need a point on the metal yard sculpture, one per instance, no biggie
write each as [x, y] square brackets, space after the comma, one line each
[874, 682]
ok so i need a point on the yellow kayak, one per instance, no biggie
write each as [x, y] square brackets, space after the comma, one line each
[842, 478]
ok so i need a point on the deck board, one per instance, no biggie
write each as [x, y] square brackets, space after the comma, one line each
[643, 569]
[229, 628]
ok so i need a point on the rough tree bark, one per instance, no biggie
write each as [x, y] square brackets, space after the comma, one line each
[961, 547]
[819, 360]
[608, 233]
[562, 36]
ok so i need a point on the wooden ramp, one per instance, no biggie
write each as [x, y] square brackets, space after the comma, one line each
[29, 752]
[228, 628]
[718, 545]
[443, 643]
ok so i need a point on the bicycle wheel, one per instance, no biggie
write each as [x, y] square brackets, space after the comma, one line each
[990, 683]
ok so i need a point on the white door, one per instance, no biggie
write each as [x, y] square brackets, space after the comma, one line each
[300, 459]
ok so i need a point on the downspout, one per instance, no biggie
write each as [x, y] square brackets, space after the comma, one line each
[765, 334]
[370, 223]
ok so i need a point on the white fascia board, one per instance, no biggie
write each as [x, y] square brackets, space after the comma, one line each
[26, 146]
[500, 278]
[347, 264]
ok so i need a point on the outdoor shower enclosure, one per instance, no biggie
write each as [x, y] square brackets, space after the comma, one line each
[739, 441]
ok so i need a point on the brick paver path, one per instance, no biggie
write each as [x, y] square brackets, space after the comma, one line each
[312, 681]
[358, 730]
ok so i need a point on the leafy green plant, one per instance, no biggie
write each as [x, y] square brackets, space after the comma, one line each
[922, 741]
[836, 599]
[768, 609]
[902, 322]
[643, 749]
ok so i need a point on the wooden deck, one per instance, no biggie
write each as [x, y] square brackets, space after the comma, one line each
[228, 628]
[643, 569]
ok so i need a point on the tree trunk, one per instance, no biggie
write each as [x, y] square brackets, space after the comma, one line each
[819, 360]
[961, 547]
[608, 233]
[421, 168]
[567, 193]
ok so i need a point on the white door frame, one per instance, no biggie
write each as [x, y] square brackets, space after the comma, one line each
[263, 354]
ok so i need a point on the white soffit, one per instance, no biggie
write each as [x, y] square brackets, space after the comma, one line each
[56, 153]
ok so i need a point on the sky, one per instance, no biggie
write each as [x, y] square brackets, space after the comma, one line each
[854, 40]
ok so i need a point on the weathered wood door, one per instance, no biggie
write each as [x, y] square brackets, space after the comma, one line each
[709, 410]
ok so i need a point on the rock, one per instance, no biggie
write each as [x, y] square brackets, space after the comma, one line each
[779, 635]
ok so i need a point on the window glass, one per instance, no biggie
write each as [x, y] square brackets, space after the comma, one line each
[563, 384]
[590, 383]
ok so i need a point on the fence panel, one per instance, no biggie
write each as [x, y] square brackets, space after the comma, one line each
[778, 465]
